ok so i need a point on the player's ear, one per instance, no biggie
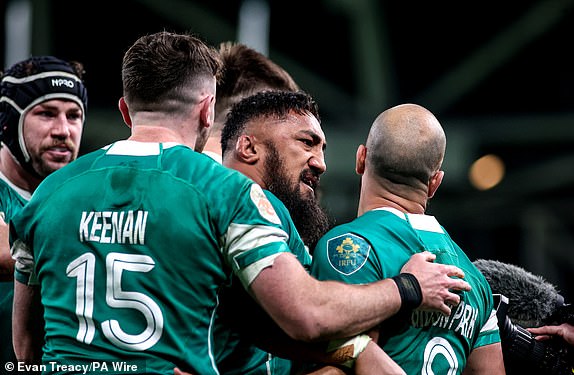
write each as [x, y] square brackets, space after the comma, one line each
[360, 159]
[434, 183]
[207, 111]
[125, 112]
[246, 149]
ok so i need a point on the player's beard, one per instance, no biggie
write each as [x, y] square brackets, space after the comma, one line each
[45, 165]
[310, 219]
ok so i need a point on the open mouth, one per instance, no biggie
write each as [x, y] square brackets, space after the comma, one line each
[311, 181]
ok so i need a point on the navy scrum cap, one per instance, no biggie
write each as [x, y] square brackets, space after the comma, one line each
[52, 79]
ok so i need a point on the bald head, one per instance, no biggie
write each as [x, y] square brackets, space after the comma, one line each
[406, 145]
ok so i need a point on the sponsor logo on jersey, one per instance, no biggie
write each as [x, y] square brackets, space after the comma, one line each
[263, 205]
[347, 253]
[462, 319]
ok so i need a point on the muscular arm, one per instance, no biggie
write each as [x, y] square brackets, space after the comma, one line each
[308, 309]
[374, 360]
[27, 323]
[485, 360]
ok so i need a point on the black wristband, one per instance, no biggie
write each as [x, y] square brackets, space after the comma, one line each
[410, 292]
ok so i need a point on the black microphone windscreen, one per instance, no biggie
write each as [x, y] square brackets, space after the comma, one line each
[532, 299]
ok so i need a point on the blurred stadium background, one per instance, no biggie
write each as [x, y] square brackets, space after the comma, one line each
[498, 75]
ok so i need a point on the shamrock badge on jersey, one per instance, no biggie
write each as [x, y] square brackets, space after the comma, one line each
[347, 253]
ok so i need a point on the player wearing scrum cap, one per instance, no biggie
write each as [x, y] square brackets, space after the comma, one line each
[42, 110]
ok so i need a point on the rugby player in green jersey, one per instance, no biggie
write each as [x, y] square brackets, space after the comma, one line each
[43, 103]
[274, 138]
[141, 236]
[246, 72]
[400, 168]
[269, 137]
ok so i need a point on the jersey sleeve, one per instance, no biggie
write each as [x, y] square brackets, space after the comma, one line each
[20, 250]
[24, 266]
[254, 238]
[20, 229]
[489, 332]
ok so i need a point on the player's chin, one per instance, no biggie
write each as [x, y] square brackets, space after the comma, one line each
[53, 165]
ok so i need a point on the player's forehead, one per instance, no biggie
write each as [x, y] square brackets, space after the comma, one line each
[58, 104]
[295, 123]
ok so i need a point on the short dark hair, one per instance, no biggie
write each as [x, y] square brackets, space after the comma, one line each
[275, 104]
[245, 72]
[157, 66]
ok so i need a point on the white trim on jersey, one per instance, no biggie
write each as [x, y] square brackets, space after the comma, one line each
[491, 324]
[421, 222]
[241, 238]
[135, 148]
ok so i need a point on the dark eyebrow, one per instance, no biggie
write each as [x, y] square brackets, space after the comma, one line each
[316, 138]
[48, 106]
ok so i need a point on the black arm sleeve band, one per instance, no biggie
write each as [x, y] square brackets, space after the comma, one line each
[410, 292]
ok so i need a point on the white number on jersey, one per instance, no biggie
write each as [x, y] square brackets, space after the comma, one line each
[83, 269]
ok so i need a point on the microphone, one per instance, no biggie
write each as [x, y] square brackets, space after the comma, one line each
[532, 299]
[529, 301]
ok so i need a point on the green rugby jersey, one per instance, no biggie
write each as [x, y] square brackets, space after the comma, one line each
[130, 246]
[12, 199]
[237, 312]
[375, 246]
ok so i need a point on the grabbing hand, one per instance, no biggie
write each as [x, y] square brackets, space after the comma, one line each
[436, 283]
[564, 330]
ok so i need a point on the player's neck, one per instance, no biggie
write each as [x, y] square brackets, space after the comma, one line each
[16, 173]
[397, 203]
[377, 196]
[153, 133]
[213, 144]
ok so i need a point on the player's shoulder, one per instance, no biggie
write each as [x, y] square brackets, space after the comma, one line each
[215, 178]
[205, 165]
[359, 224]
[342, 234]
[10, 200]
[5, 189]
[275, 202]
